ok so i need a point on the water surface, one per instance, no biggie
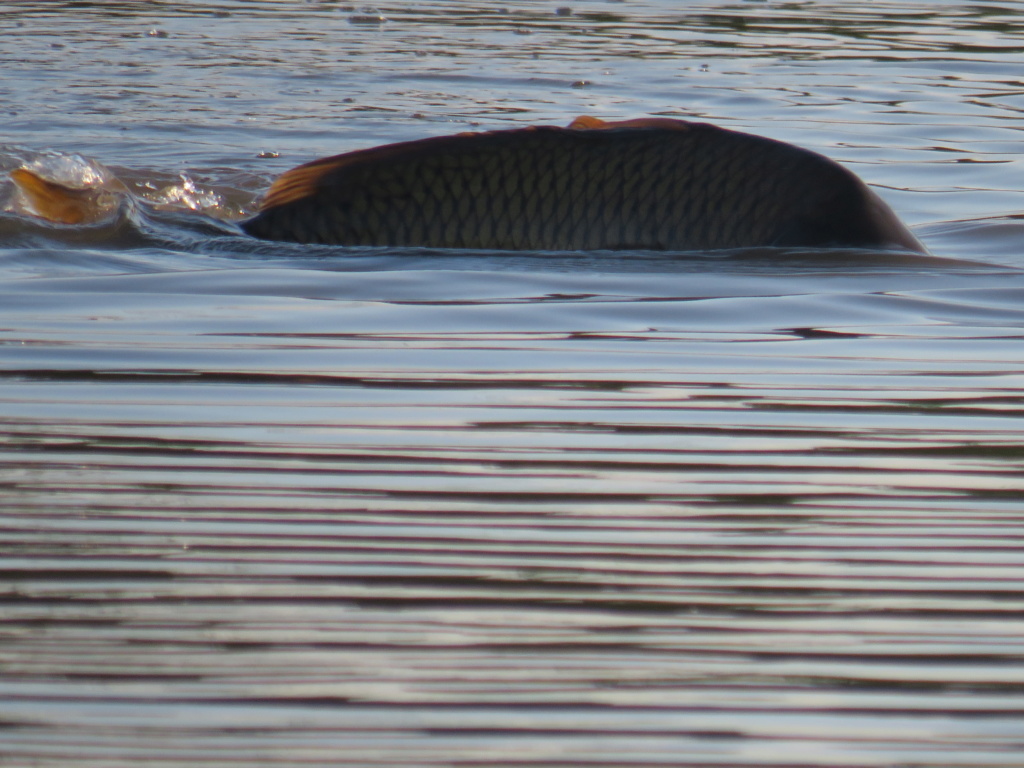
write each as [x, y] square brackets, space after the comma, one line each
[266, 504]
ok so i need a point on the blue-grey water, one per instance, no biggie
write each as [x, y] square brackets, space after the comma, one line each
[264, 504]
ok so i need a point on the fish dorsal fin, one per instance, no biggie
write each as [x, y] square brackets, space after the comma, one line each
[295, 184]
[306, 180]
[588, 123]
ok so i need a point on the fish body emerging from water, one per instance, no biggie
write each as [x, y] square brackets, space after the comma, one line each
[652, 183]
[640, 184]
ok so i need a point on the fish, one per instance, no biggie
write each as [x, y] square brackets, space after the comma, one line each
[648, 183]
[644, 184]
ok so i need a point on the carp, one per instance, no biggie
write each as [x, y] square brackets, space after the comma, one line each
[651, 183]
[646, 184]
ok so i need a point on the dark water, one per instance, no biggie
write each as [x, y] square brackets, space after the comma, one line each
[275, 505]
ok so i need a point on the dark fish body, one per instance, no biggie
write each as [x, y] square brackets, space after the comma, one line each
[645, 184]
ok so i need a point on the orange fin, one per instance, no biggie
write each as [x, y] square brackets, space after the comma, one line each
[53, 201]
[305, 180]
[588, 123]
[295, 184]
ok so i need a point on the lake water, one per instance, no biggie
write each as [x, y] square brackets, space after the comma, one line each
[266, 504]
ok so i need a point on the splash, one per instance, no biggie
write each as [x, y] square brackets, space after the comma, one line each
[68, 189]
[186, 194]
[70, 170]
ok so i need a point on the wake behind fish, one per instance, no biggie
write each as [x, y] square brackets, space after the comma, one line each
[101, 210]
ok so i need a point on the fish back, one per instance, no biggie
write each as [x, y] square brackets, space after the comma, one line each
[652, 184]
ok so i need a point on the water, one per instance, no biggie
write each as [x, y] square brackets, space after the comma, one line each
[268, 504]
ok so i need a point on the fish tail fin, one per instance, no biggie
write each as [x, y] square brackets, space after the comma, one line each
[50, 200]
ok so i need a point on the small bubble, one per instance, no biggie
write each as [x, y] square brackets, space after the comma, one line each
[156, 33]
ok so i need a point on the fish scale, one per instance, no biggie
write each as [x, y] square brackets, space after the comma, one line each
[613, 179]
[561, 171]
[720, 195]
[650, 183]
[690, 184]
[632, 211]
